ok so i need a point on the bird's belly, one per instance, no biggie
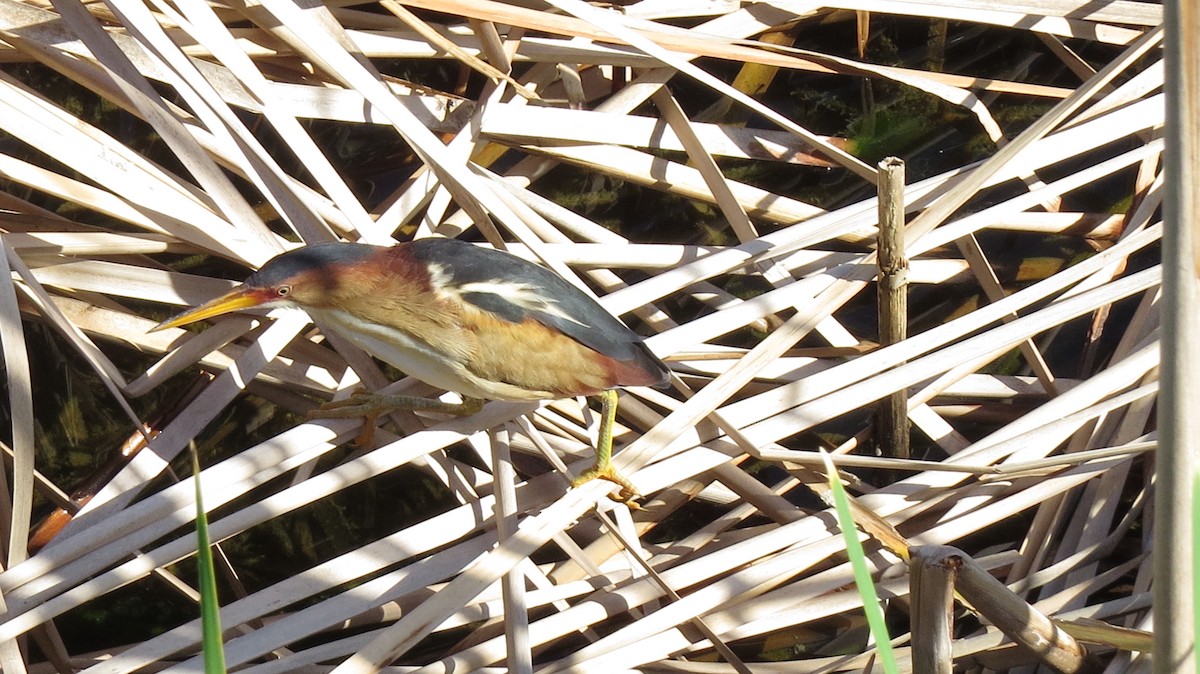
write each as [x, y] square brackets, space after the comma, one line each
[418, 359]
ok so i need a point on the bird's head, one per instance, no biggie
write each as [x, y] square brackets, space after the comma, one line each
[304, 277]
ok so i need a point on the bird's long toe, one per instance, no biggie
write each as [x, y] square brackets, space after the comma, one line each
[607, 472]
[356, 405]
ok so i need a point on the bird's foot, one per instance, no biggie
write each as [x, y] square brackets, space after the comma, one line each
[606, 472]
[371, 405]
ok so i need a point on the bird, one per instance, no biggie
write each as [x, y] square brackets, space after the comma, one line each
[478, 321]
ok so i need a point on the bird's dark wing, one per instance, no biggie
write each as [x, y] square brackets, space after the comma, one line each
[516, 290]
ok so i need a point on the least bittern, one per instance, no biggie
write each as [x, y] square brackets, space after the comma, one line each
[481, 322]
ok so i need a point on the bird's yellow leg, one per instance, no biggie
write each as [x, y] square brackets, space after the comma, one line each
[603, 468]
[372, 405]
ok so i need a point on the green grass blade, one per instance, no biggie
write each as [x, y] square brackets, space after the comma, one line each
[210, 607]
[862, 575]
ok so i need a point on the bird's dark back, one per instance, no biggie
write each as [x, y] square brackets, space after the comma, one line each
[517, 290]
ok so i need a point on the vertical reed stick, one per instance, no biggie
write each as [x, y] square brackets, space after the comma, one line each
[1177, 460]
[891, 426]
[516, 615]
[932, 575]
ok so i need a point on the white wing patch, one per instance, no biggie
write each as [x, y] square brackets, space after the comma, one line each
[439, 279]
[523, 295]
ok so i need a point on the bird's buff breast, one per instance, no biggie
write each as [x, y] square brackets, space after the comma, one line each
[418, 359]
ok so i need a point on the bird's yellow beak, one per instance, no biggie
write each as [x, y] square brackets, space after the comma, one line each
[240, 297]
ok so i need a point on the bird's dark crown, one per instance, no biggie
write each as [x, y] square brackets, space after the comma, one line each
[289, 265]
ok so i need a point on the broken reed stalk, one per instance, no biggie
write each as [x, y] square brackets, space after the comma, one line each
[891, 426]
[1177, 468]
[931, 587]
[991, 599]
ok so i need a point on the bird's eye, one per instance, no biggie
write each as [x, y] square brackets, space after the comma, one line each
[283, 291]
